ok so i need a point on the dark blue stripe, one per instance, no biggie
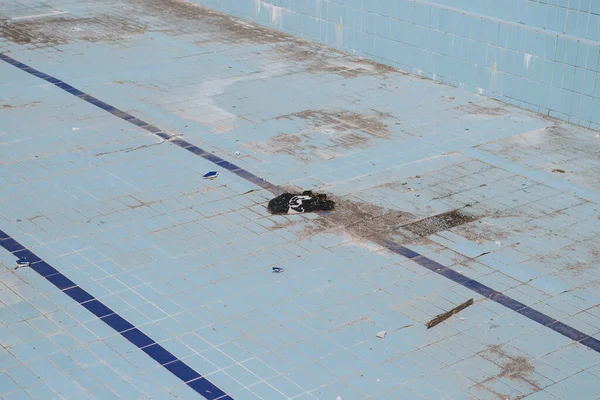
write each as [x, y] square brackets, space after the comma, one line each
[499, 298]
[177, 367]
[425, 262]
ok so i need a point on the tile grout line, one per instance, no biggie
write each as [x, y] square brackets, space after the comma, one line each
[448, 273]
[123, 327]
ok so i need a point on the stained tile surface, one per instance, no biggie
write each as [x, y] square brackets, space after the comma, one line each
[107, 188]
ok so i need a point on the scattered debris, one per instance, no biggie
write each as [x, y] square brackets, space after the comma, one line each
[403, 327]
[210, 175]
[381, 334]
[560, 171]
[442, 317]
[277, 270]
[307, 201]
[21, 262]
[237, 153]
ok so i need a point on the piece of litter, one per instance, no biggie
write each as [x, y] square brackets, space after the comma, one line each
[381, 334]
[327, 131]
[498, 243]
[75, 129]
[237, 153]
[560, 171]
[442, 317]
[338, 398]
[277, 270]
[293, 203]
[210, 175]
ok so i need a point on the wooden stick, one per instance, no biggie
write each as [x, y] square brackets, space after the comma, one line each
[442, 317]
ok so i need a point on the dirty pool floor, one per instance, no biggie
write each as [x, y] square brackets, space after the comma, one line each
[148, 281]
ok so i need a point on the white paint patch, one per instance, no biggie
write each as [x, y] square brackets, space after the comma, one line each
[50, 14]
[494, 83]
[339, 33]
[208, 112]
[276, 12]
[527, 60]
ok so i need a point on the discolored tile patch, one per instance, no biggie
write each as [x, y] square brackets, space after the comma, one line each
[360, 222]
[441, 222]
[479, 109]
[180, 17]
[327, 131]
[512, 368]
[61, 29]
[322, 60]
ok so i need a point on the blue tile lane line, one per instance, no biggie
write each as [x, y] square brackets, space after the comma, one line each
[144, 125]
[425, 262]
[123, 327]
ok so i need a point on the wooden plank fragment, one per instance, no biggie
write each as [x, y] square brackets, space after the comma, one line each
[442, 317]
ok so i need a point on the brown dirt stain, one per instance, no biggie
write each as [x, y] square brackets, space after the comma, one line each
[192, 22]
[340, 121]
[441, 222]
[342, 129]
[477, 109]
[361, 222]
[511, 367]
[318, 59]
[61, 29]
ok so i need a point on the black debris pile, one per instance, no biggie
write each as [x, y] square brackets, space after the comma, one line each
[294, 203]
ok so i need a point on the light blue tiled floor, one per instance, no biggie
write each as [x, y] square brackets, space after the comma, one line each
[128, 217]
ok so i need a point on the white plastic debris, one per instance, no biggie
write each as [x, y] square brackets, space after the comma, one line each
[381, 334]
[498, 243]
[237, 153]
[338, 398]
[75, 129]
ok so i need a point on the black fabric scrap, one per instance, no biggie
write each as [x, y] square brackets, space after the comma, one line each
[299, 203]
